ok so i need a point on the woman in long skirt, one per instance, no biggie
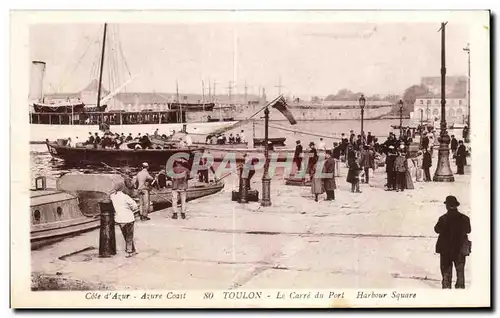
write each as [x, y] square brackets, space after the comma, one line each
[316, 183]
[408, 175]
[418, 166]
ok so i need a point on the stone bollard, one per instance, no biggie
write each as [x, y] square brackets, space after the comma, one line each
[107, 239]
[243, 190]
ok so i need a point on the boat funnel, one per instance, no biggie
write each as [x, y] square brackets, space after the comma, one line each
[36, 84]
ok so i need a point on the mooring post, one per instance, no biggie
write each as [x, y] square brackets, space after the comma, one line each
[107, 239]
[244, 190]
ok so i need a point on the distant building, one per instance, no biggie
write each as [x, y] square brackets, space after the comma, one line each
[428, 107]
[453, 83]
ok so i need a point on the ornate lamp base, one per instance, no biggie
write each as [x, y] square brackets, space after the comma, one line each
[443, 171]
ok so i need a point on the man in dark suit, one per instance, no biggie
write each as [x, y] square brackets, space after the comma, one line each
[297, 155]
[453, 243]
[389, 169]
[329, 182]
[427, 164]
[461, 155]
[453, 145]
[425, 141]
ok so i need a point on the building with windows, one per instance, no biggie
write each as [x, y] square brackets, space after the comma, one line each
[427, 108]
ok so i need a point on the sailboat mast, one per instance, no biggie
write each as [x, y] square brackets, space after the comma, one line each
[180, 105]
[102, 65]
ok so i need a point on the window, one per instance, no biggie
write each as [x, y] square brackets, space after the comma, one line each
[459, 102]
[37, 216]
[421, 102]
[59, 211]
[428, 102]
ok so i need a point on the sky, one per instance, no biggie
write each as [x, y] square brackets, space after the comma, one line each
[309, 58]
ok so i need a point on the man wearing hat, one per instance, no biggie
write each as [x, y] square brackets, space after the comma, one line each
[313, 157]
[142, 180]
[427, 164]
[461, 155]
[124, 207]
[389, 168]
[297, 159]
[128, 181]
[179, 187]
[453, 245]
[329, 182]
[425, 141]
[400, 170]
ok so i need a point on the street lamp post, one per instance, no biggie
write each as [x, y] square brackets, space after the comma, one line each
[400, 118]
[443, 171]
[467, 49]
[266, 180]
[362, 102]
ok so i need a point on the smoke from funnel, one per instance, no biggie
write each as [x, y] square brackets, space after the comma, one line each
[36, 85]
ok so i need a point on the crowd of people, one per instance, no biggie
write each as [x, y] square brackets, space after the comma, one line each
[110, 140]
[222, 139]
[360, 154]
[405, 160]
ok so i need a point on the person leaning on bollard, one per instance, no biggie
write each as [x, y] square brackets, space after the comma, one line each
[179, 187]
[453, 245]
[142, 180]
[125, 207]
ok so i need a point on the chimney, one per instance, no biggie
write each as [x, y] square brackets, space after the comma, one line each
[36, 85]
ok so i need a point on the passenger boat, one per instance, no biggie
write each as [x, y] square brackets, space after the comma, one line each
[88, 155]
[55, 116]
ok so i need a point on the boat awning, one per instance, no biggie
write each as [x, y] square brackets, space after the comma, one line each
[46, 197]
[78, 182]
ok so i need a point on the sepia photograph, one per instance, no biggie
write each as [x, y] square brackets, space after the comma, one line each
[250, 159]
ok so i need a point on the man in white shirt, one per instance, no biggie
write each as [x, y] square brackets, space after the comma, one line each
[189, 141]
[125, 207]
[242, 137]
[321, 145]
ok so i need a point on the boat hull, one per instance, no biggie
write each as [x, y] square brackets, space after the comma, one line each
[81, 156]
[163, 198]
[219, 154]
[42, 237]
[56, 215]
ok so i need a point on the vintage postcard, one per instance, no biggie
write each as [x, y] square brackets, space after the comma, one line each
[250, 159]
